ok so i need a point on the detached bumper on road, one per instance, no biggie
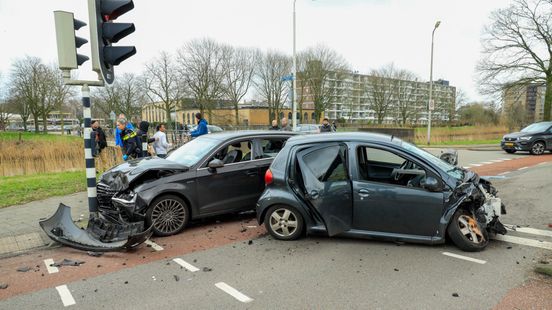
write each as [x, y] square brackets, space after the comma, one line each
[96, 238]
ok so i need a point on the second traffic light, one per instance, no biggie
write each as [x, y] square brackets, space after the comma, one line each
[104, 32]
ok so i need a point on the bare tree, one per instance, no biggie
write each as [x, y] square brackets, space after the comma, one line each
[517, 48]
[201, 65]
[163, 84]
[239, 71]
[270, 83]
[28, 86]
[381, 89]
[406, 94]
[57, 94]
[125, 96]
[324, 69]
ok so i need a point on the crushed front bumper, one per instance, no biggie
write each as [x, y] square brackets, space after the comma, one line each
[101, 234]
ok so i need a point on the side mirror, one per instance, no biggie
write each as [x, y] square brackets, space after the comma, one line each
[450, 156]
[215, 163]
[431, 184]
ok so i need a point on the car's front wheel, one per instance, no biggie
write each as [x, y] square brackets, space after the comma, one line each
[510, 151]
[466, 233]
[284, 222]
[537, 148]
[168, 214]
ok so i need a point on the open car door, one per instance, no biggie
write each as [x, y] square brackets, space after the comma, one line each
[327, 184]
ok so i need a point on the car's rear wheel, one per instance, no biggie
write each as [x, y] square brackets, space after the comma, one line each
[168, 214]
[284, 222]
[466, 233]
[537, 148]
[510, 151]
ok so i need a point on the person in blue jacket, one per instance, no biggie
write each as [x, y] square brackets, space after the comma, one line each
[201, 127]
[118, 141]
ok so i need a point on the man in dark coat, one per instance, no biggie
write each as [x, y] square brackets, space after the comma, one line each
[326, 127]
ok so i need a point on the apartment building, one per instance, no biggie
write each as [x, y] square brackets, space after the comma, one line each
[354, 99]
[529, 96]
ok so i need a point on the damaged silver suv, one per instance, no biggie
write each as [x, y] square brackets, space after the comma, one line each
[376, 186]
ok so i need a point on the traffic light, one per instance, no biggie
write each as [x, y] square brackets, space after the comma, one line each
[104, 32]
[67, 42]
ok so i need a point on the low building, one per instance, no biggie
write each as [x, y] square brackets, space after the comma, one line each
[250, 115]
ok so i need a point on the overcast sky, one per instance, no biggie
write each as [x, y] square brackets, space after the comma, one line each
[368, 33]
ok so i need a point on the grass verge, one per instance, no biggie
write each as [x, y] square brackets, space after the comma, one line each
[25, 188]
[31, 136]
[462, 142]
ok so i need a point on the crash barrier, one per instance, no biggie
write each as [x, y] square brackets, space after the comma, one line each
[406, 134]
[32, 157]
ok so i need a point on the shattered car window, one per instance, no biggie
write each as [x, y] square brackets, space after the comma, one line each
[327, 164]
[190, 153]
[451, 170]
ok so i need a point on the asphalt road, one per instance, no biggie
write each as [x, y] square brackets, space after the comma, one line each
[329, 273]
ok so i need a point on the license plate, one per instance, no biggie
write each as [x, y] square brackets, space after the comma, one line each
[509, 144]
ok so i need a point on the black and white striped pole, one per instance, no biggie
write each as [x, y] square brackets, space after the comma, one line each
[89, 159]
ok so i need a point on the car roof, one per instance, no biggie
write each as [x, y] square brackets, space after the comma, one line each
[228, 135]
[341, 136]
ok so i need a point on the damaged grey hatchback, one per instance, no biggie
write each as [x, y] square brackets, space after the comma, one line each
[376, 186]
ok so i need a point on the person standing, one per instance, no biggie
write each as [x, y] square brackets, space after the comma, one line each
[143, 134]
[334, 126]
[274, 125]
[98, 136]
[161, 145]
[201, 127]
[285, 125]
[131, 143]
[326, 127]
[118, 141]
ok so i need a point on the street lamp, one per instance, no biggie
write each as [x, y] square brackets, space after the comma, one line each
[293, 95]
[430, 103]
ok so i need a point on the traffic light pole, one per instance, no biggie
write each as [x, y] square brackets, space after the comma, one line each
[89, 159]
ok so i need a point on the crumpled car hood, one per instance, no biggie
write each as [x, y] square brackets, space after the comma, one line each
[119, 177]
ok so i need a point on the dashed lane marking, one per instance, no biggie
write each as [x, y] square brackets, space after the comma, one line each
[469, 259]
[505, 172]
[233, 292]
[51, 269]
[524, 241]
[66, 297]
[497, 160]
[476, 165]
[529, 230]
[487, 162]
[523, 168]
[506, 158]
[186, 265]
[154, 245]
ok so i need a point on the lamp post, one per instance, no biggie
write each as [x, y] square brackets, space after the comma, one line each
[430, 104]
[294, 78]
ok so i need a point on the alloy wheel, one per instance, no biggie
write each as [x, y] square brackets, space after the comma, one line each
[470, 229]
[538, 148]
[283, 222]
[168, 216]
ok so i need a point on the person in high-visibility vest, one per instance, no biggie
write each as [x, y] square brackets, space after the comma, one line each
[132, 144]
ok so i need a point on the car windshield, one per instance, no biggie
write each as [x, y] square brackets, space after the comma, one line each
[536, 127]
[451, 170]
[190, 153]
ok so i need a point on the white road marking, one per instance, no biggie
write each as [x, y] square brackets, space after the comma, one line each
[487, 162]
[51, 269]
[154, 245]
[529, 230]
[476, 165]
[524, 241]
[506, 158]
[65, 295]
[466, 167]
[186, 265]
[474, 260]
[523, 168]
[251, 226]
[497, 160]
[505, 172]
[233, 292]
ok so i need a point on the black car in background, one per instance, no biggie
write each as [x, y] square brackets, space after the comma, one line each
[210, 175]
[535, 138]
[375, 186]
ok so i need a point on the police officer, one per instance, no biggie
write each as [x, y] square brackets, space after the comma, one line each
[132, 144]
